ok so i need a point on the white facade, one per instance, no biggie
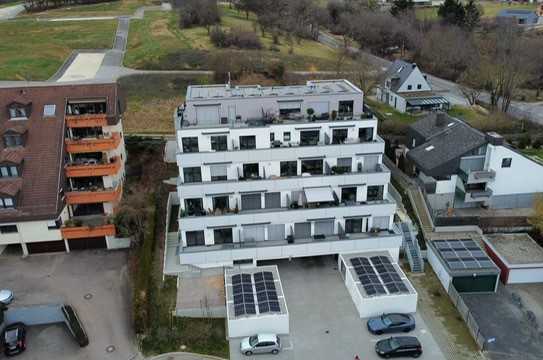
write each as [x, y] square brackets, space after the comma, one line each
[263, 178]
[369, 306]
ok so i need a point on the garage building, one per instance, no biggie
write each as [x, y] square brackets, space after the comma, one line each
[255, 302]
[377, 284]
[463, 264]
[518, 256]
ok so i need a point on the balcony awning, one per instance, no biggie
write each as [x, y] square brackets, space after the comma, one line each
[319, 194]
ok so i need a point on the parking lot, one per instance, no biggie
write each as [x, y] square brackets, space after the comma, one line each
[324, 323]
[94, 282]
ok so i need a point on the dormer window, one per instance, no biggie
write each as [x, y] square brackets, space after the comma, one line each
[7, 202]
[8, 171]
[13, 139]
[18, 111]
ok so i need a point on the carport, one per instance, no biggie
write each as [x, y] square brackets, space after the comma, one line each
[463, 264]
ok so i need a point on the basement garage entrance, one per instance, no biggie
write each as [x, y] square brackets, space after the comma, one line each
[46, 247]
[88, 243]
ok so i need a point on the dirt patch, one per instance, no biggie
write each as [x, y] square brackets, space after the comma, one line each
[160, 28]
[151, 116]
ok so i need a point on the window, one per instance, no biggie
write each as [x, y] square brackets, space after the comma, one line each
[289, 168]
[251, 201]
[313, 167]
[381, 222]
[310, 137]
[286, 136]
[218, 172]
[353, 226]
[194, 207]
[365, 134]
[13, 140]
[409, 87]
[506, 162]
[223, 236]
[221, 202]
[272, 137]
[339, 136]
[348, 194]
[195, 238]
[419, 86]
[219, 143]
[18, 111]
[192, 174]
[8, 229]
[345, 108]
[272, 200]
[250, 171]
[375, 192]
[247, 142]
[7, 202]
[190, 144]
[288, 109]
[344, 165]
[7, 171]
[49, 110]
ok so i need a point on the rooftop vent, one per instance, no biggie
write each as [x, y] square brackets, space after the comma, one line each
[429, 148]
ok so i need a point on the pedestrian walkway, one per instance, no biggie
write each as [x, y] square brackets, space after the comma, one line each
[9, 12]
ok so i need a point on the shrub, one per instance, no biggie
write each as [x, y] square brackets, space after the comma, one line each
[276, 70]
[234, 38]
[537, 143]
[218, 37]
[524, 142]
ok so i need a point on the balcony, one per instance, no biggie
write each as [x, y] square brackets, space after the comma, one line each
[477, 176]
[87, 227]
[105, 143]
[93, 167]
[478, 195]
[87, 120]
[94, 195]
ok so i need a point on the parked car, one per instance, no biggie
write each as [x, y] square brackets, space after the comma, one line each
[260, 343]
[14, 339]
[399, 346]
[391, 323]
[6, 296]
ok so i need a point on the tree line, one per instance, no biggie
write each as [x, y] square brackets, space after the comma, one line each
[42, 5]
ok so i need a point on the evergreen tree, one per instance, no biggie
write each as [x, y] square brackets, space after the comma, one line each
[472, 15]
[452, 12]
[401, 6]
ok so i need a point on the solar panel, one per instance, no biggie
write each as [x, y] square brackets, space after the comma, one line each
[463, 254]
[266, 292]
[378, 276]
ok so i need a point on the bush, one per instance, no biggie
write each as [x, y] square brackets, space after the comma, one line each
[537, 143]
[276, 70]
[524, 142]
[234, 38]
[199, 13]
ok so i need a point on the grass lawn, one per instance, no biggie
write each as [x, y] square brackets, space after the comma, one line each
[384, 111]
[151, 101]
[157, 42]
[484, 120]
[432, 298]
[120, 7]
[537, 154]
[490, 9]
[32, 50]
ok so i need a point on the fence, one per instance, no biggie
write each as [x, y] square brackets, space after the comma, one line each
[468, 318]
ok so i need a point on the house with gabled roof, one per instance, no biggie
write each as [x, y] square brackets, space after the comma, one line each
[406, 89]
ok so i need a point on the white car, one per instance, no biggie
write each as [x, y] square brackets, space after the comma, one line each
[6, 296]
[260, 343]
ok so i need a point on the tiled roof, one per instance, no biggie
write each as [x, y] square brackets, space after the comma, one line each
[42, 176]
[398, 72]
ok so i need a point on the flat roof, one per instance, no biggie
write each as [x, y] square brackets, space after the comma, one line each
[313, 87]
[377, 275]
[463, 256]
[253, 292]
[516, 249]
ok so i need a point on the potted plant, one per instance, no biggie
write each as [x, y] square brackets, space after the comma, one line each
[334, 114]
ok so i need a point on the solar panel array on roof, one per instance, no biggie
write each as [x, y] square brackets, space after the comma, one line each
[463, 254]
[242, 290]
[375, 283]
[266, 293]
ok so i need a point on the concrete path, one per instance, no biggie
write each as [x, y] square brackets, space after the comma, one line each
[83, 67]
[184, 356]
[10, 12]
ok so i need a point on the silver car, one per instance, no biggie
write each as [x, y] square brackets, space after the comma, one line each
[260, 343]
[6, 296]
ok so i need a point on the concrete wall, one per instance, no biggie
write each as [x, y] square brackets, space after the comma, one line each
[439, 269]
[525, 275]
[275, 324]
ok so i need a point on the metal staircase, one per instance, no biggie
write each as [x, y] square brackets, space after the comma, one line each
[411, 248]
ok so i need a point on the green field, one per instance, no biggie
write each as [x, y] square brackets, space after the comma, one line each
[536, 154]
[158, 43]
[121, 7]
[490, 9]
[32, 50]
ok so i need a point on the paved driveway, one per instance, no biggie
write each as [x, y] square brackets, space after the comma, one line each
[324, 322]
[67, 278]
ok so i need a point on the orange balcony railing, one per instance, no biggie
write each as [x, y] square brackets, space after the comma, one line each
[99, 169]
[94, 196]
[93, 145]
[88, 120]
[80, 232]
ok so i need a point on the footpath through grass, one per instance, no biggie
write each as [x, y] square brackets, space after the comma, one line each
[157, 43]
[113, 8]
[31, 50]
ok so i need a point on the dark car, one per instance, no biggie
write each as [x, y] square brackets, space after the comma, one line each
[391, 323]
[399, 346]
[14, 339]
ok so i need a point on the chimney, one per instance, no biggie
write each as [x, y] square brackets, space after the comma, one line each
[494, 138]
[441, 119]
[414, 65]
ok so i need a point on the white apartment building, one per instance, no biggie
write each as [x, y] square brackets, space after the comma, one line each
[279, 172]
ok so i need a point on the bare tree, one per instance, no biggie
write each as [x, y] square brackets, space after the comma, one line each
[365, 74]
